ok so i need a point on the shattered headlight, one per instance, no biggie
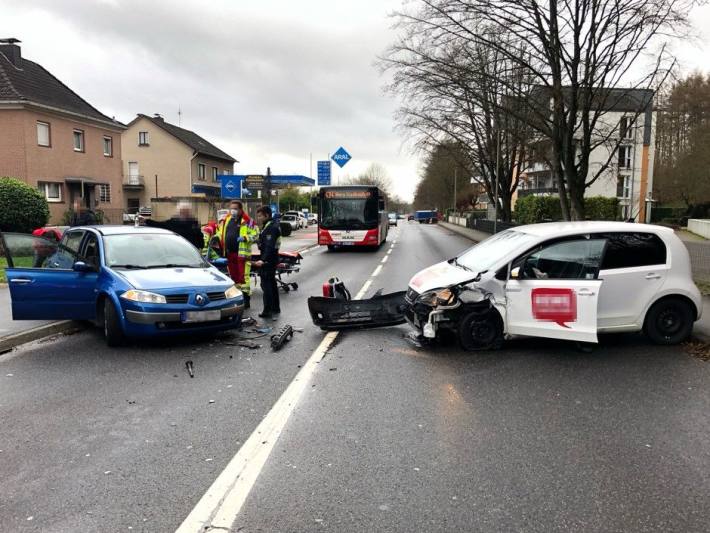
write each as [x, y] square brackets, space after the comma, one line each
[232, 292]
[437, 297]
[143, 297]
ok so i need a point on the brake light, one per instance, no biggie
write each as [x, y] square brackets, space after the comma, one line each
[324, 237]
[372, 236]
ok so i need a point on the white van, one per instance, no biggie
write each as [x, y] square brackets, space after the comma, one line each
[569, 280]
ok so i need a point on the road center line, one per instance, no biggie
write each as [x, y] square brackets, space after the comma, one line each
[221, 504]
[377, 271]
[385, 258]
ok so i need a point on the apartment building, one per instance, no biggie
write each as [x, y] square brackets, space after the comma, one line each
[628, 124]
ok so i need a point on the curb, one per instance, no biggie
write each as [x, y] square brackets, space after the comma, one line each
[471, 234]
[12, 341]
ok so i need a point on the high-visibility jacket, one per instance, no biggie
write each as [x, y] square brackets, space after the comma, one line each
[248, 230]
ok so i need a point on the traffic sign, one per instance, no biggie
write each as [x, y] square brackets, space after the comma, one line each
[231, 186]
[254, 181]
[341, 157]
[323, 172]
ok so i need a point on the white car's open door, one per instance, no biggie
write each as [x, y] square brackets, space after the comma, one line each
[554, 308]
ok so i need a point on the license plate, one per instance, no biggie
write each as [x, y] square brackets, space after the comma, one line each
[201, 316]
[347, 243]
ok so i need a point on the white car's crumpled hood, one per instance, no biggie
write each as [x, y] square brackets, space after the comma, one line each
[439, 275]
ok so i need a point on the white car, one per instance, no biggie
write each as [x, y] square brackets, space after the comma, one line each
[312, 218]
[568, 280]
[292, 220]
[299, 217]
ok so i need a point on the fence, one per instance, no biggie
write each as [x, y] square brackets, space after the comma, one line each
[699, 227]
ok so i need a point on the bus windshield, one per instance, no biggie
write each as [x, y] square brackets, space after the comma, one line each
[349, 213]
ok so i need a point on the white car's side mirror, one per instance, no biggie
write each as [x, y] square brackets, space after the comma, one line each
[515, 273]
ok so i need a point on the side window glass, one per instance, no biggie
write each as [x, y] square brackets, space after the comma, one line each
[68, 252]
[627, 250]
[91, 250]
[577, 259]
[27, 251]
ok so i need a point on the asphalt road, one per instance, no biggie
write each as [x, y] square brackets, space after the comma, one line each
[387, 437]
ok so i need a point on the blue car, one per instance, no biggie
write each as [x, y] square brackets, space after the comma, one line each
[132, 281]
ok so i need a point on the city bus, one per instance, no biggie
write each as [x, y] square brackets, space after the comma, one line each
[352, 215]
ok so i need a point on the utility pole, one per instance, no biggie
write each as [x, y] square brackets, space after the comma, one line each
[495, 194]
[455, 176]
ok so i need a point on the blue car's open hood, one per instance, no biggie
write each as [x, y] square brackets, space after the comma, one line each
[174, 278]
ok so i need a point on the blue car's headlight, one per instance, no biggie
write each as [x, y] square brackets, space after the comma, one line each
[143, 297]
[232, 292]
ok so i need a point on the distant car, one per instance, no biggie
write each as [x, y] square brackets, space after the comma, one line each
[410, 216]
[312, 218]
[568, 280]
[392, 219]
[299, 217]
[291, 220]
[400, 216]
[132, 281]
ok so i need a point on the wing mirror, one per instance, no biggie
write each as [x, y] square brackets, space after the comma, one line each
[81, 266]
[515, 273]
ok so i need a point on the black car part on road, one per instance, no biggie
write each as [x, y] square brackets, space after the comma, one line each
[379, 311]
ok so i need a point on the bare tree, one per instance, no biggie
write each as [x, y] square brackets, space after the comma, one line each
[573, 53]
[452, 97]
[375, 175]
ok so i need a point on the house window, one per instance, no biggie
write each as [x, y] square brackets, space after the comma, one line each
[626, 130]
[105, 192]
[623, 187]
[143, 138]
[215, 172]
[108, 146]
[43, 137]
[78, 140]
[201, 171]
[624, 156]
[52, 191]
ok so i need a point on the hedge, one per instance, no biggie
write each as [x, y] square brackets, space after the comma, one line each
[22, 207]
[534, 209]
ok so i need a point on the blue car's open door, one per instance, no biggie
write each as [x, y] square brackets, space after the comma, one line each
[42, 280]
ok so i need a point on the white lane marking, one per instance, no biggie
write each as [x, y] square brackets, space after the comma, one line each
[389, 251]
[377, 271]
[385, 258]
[364, 289]
[221, 504]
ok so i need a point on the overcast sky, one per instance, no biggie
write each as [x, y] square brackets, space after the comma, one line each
[269, 81]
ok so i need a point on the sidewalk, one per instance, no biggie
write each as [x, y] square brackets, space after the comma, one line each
[700, 258]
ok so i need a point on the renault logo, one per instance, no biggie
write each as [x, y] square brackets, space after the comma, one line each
[200, 300]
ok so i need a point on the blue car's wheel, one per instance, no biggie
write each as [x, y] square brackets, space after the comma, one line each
[112, 325]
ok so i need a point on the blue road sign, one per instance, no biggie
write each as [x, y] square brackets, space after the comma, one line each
[323, 172]
[274, 209]
[341, 157]
[231, 186]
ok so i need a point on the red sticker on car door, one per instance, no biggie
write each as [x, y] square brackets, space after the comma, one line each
[554, 305]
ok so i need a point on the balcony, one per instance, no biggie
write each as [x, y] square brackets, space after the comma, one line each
[133, 183]
[538, 191]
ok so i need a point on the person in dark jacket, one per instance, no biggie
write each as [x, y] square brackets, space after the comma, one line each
[269, 243]
[184, 224]
[82, 216]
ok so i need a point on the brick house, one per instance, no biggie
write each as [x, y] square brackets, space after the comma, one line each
[162, 160]
[54, 140]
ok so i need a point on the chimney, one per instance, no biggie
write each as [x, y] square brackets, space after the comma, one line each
[158, 116]
[9, 48]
